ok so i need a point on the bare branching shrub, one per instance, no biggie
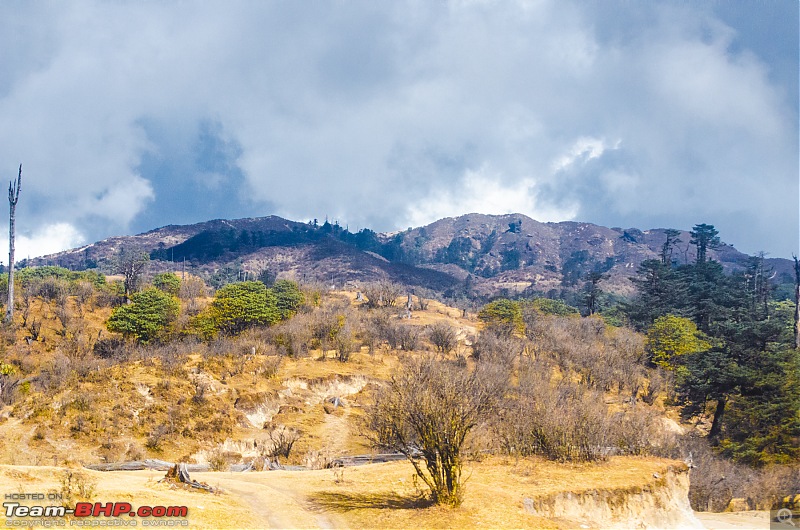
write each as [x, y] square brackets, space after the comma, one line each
[344, 343]
[495, 347]
[199, 396]
[55, 375]
[639, 431]
[132, 264]
[217, 461]
[293, 336]
[64, 315]
[156, 437]
[770, 484]
[627, 359]
[318, 459]
[379, 327]
[9, 383]
[219, 346]
[561, 421]
[27, 296]
[76, 486]
[135, 452]
[313, 294]
[111, 295]
[426, 411]
[443, 336]
[84, 294]
[35, 329]
[190, 290]
[51, 289]
[368, 333]
[407, 336]
[283, 439]
[111, 450]
[382, 294]
[604, 358]
[111, 348]
[422, 303]
[659, 381]
[714, 481]
[268, 368]
[40, 433]
[326, 324]
[172, 356]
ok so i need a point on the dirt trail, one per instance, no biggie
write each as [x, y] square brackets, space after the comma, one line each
[735, 520]
[277, 508]
[14, 446]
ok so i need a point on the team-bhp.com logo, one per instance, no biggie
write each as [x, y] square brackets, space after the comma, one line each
[86, 514]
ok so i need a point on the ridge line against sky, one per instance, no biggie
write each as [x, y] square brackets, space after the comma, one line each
[129, 116]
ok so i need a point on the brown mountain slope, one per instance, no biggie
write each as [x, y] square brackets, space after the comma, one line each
[473, 253]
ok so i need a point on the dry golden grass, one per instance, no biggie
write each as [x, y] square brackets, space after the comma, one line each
[145, 392]
[140, 488]
[372, 496]
[385, 496]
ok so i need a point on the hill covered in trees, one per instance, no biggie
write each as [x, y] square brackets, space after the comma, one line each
[471, 256]
[697, 363]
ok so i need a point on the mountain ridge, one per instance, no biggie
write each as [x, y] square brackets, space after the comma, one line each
[471, 254]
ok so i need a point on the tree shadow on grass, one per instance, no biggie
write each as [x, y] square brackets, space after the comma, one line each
[345, 502]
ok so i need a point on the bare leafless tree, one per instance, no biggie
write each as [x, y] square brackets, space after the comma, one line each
[282, 438]
[190, 290]
[13, 198]
[131, 264]
[426, 412]
[796, 302]
[382, 294]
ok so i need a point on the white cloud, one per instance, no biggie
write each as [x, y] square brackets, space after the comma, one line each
[47, 239]
[377, 113]
[584, 148]
[481, 192]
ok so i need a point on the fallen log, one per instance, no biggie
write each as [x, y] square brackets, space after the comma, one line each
[360, 460]
[162, 465]
[150, 463]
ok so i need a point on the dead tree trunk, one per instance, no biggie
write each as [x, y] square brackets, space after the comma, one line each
[13, 197]
[180, 473]
[796, 302]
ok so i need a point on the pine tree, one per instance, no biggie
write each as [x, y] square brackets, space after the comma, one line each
[666, 249]
[660, 291]
[593, 291]
[704, 237]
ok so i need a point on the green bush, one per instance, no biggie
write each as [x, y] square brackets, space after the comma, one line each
[553, 307]
[236, 307]
[146, 317]
[288, 298]
[672, 336]
[167, 282]
[502, 315]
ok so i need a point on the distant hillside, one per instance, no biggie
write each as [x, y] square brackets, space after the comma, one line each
[472, 254]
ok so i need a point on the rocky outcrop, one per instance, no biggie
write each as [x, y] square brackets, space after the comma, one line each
[662, 503]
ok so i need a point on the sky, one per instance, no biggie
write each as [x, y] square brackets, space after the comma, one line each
[128, 116]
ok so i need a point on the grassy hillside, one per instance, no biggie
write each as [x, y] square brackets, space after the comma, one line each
[301, 391]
